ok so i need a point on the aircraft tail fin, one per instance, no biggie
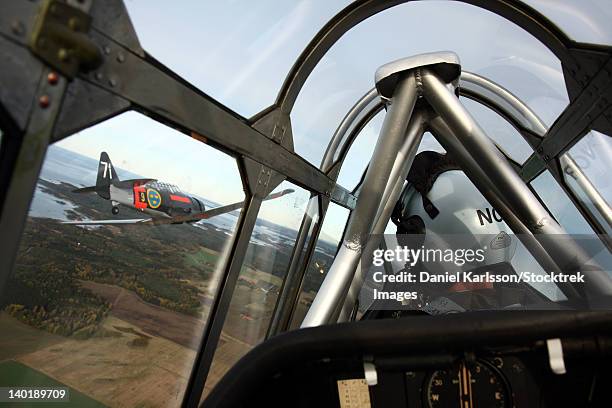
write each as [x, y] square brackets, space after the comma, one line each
[106, 176]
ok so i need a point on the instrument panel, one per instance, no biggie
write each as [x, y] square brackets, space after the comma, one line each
[495, 382]
[478, 384]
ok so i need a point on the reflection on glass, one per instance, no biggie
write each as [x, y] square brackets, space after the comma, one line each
[360, 153]
[582, 21]
[116, 311]
[559, 204]
[264, 269]
[486, 44]
[321, 260]
[291, 286]
[358, 157]
[311, 218]
[498, 129]
[429, 143]
[238, 52]
[585, 169]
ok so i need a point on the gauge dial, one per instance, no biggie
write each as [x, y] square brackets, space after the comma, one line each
[477, 385]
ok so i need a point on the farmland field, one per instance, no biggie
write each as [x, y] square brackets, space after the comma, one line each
[120, 366]
[118, 312]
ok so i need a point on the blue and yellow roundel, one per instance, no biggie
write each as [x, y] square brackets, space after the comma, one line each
[154, 198]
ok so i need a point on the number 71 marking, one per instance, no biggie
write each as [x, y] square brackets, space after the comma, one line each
[107, 168]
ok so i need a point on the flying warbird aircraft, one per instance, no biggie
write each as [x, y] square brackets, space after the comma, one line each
[165, 203]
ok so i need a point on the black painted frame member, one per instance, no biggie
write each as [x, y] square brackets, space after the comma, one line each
[587, 70]
[405, 340]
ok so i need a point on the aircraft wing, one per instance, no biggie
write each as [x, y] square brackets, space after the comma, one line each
[91, 189]
[179, 219]
[227, 208]
[110, 222]
[214, 211]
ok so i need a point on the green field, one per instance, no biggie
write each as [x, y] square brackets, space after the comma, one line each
[15, 374]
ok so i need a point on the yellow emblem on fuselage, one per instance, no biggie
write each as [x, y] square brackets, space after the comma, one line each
[154, 198]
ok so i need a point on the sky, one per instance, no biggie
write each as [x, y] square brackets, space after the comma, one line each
[239, 52]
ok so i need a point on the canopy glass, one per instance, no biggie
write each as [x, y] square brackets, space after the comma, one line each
[261, 42]
[581, 20]
[486, 44]
[238, 52]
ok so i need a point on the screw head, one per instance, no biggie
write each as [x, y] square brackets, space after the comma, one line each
[44, 101]
[52, 78]
[75, 24]
[62, 54]
[17, 27]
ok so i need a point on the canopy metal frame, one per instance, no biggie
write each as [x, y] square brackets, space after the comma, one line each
[510, 108]
[461, 136]
[36, 110]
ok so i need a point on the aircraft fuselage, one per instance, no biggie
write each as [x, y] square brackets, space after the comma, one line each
[156, 199]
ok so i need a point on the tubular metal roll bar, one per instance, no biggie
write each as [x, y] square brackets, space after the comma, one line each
[336, 143]
[477, 175]
[393, 190]
[325, 307]
[518, 196]
[572, 169]
[485, 91]
[521, 114]
[462, 136]
[480, 146]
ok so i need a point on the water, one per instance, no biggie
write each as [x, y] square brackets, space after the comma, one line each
[45, 205]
